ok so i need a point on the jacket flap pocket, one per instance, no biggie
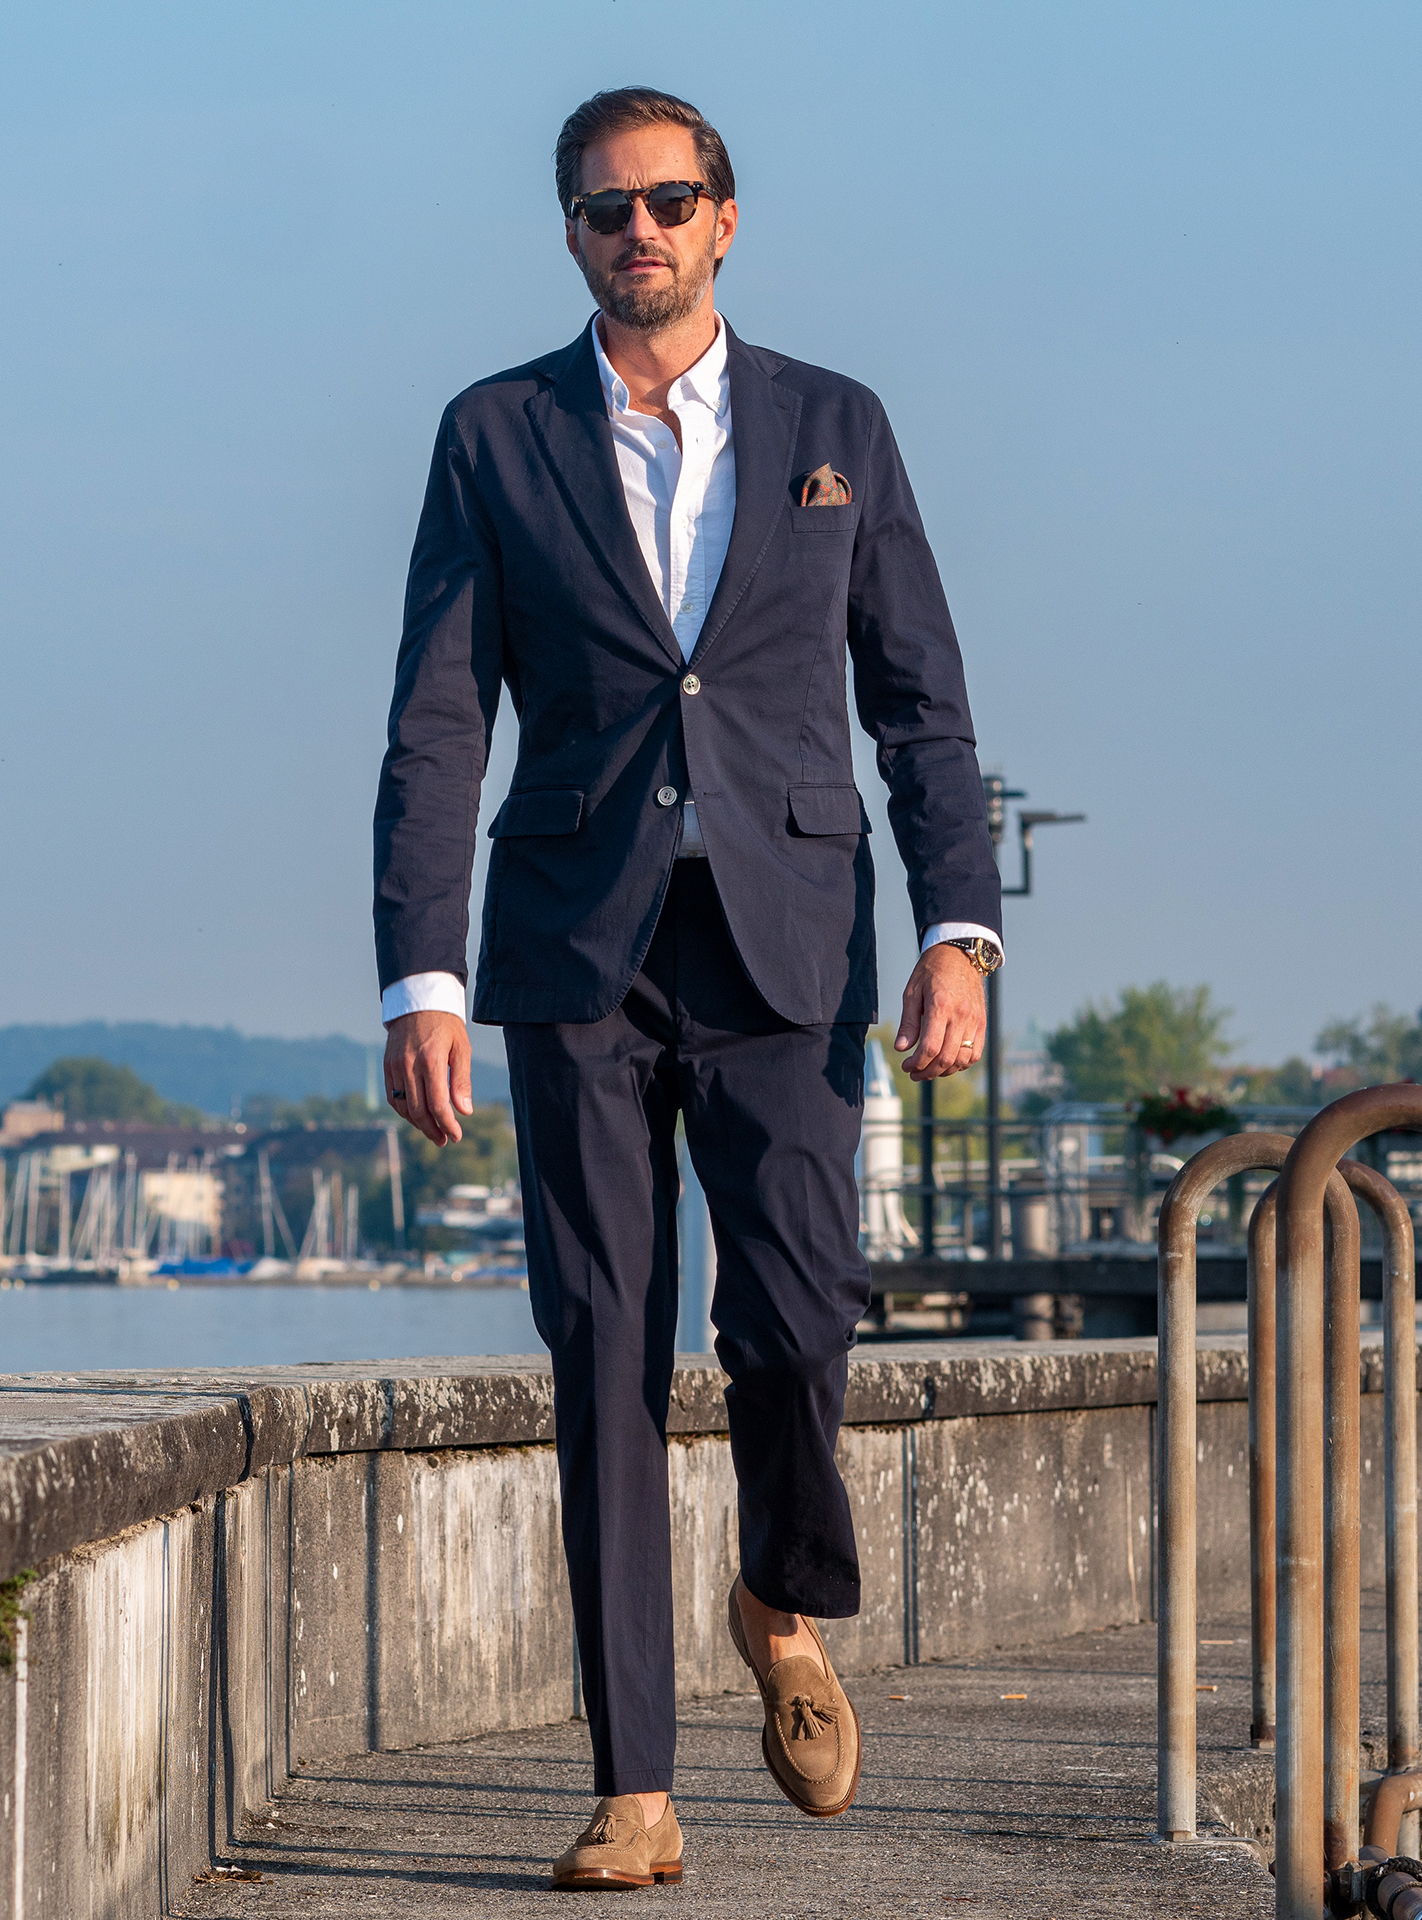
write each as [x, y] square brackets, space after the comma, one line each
[828, 809]
[825, 519]
[553, 810]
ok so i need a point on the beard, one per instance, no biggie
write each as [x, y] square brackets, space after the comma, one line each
[650, 309]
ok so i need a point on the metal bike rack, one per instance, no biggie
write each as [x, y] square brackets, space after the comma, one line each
[1176, 1602]
[1311, 1766]
[1304, 1415]
[1342, 1546]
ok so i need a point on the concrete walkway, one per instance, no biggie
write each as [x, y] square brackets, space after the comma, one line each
[969, 1804]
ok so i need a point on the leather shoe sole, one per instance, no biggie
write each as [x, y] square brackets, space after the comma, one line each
[604, 1880]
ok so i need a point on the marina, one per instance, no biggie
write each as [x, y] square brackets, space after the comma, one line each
[1036, 1227]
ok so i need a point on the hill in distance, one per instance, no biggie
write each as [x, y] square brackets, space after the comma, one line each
[214, 1068]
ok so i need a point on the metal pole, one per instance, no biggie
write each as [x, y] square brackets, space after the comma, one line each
[264, 1187]
[994, 1117]
[1299, 1762]
[32, 1194]
[1262, 1617]
[996, 794]
[927, 1196]
[1176, 1389]
[130, 1198]
[1400, 1456]
[63, 1248]
[1298, 1856]
[15, 1198]
[1400, 1471]
[397, 1191]
[1342, 1543]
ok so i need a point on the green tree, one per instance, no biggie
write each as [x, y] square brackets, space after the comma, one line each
[266, 1110]
[1152, 1038]
[92, 1089]
[1385, 1048]
[1290, 1085]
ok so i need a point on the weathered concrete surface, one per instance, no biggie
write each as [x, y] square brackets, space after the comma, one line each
[427, 1595]
[383, 1570]
[968, 1803]
[84, 1456]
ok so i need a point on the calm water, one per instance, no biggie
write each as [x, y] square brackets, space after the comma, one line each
[59, 1329]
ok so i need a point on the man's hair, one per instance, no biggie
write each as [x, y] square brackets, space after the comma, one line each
[619, 110]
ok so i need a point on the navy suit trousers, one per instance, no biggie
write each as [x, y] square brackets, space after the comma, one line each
[772, 1114]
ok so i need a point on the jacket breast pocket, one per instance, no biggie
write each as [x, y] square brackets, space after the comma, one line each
[547, 810]
[817, 810]
[823, 520]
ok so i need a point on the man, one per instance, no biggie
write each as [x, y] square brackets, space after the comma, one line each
[663, 541]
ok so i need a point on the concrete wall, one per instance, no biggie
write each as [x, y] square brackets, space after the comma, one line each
[169, 1677]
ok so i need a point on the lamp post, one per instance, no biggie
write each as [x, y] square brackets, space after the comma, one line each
[997, 795]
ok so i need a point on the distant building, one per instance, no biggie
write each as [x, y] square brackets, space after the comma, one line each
[1028, 1067]
[23, 1119]
[103, 1191]
[186, 1204]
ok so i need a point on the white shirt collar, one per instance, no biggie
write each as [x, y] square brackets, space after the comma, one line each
[706, 381]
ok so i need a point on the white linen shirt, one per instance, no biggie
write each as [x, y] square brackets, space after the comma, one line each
[681, 502]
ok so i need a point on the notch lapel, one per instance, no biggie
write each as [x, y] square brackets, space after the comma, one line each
[569, 420]
[764, 421]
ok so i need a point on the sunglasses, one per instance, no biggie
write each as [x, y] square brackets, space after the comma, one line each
[671, 203]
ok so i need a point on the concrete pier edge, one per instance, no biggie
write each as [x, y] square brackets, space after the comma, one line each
[84, 1456]
[236, 1574]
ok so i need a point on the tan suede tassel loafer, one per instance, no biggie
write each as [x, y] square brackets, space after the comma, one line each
[811, 1740]
[614, 1850]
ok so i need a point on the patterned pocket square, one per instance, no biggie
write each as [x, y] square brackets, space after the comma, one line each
[825, 488]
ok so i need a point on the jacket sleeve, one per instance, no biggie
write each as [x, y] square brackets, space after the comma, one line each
[447, 682]
[912, 700]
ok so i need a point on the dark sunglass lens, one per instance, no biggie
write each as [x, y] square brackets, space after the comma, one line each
[607, 212]
[672, 204]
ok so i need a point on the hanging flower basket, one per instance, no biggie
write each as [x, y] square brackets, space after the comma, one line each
[1182, 1112]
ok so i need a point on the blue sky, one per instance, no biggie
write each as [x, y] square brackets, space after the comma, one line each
[1138, 286]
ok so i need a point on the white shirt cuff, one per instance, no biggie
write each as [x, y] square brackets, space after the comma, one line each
[943, 930]
[423, 993]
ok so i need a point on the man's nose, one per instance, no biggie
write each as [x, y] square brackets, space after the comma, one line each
[641, 226]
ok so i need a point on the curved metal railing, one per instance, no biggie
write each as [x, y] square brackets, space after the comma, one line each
[1304, 1424]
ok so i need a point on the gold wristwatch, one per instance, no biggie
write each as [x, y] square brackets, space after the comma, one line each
[984, 955]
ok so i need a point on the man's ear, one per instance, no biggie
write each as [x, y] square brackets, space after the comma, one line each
[570, 234]
[727, 217]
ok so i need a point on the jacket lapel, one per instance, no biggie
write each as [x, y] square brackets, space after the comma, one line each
[764, 420]
[570, 421]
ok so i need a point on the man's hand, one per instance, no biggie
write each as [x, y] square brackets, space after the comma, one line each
[427, 1073]
[945, 1014]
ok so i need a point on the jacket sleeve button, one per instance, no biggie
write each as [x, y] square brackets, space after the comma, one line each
[666, 796]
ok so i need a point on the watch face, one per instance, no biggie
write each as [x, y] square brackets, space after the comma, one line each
[983, 954]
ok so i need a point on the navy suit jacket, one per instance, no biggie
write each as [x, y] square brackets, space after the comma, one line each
[526, 572]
